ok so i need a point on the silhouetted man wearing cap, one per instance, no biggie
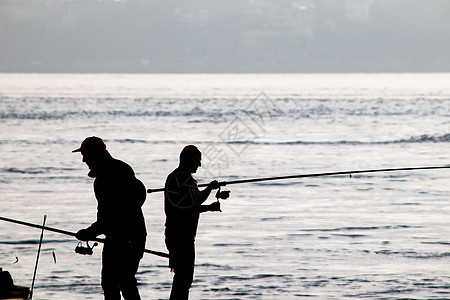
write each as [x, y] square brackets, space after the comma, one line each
[120, 196]
[183, 205]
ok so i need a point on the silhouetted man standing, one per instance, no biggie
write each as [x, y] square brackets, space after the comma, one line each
[183, 205]
[120, 196]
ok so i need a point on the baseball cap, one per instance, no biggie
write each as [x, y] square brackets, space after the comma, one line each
[91, 144]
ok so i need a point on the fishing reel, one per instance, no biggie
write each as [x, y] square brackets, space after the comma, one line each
[222, 194]
[88, 250]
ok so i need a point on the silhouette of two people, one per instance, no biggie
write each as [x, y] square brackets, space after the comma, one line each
[120, 196]
[183, 203]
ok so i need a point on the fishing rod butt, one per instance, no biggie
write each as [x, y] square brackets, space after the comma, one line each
[157, 253]
[149, 191]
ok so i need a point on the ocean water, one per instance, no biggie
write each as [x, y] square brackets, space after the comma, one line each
[368, 236]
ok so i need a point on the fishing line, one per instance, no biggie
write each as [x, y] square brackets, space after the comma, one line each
[224, 183]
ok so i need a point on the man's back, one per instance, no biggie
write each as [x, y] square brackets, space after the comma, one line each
[180, 204]
[120, 196]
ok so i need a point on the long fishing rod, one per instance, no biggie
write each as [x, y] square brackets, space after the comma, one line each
[224, 183]
[100, 240]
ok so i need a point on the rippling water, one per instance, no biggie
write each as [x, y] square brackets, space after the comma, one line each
[375, 236]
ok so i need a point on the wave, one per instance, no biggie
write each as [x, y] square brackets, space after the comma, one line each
[213, 109]
[436, 243]
[34, 171]
[353, 236]
[233, 245]
[35, 242]
[424, 138]
[281, 184]
[414, 254]
[445, 138]
[222, 279]
[62, 115]
[360, 228]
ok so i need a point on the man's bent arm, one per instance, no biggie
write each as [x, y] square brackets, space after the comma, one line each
[206, 192]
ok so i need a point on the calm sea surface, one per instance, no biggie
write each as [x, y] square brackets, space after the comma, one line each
[369, 236]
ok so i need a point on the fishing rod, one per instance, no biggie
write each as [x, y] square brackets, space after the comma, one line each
[224, 183]
[100, 240]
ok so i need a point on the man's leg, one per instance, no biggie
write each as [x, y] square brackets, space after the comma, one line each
[130, 255]
[128, 282]
[182, 281]
[184, 271]
[110, 282]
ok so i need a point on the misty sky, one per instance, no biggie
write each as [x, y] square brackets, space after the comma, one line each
[224, 36]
